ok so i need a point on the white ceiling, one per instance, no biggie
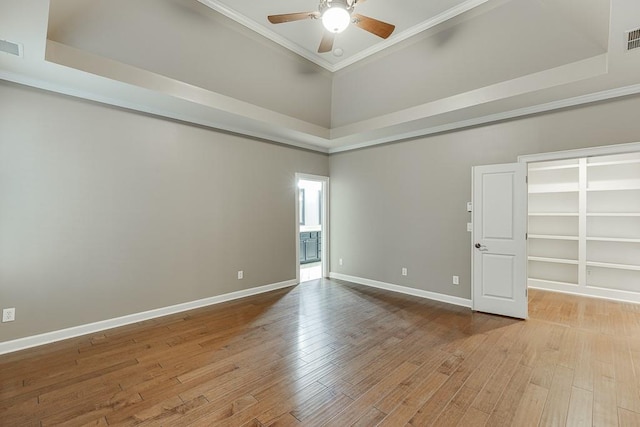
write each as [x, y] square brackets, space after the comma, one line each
[183, 60]
[410, 17]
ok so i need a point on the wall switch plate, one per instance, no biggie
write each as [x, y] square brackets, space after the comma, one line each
[8, 315]
[469, 206]
[456, 280]
[340, 261]
[240, 274]
[404, 271]
[469, 227]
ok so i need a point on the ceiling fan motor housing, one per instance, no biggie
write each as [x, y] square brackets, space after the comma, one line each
[343, 4]
[336, 14]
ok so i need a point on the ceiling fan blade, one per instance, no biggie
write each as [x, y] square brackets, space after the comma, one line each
[290, 17]
[326, 44]
[379, 28]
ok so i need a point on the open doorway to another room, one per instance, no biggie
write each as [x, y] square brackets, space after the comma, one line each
[311, 214]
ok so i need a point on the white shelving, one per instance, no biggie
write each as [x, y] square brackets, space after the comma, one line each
[552, 167]
[550, 284]
[584, 226]
[613, 239]
[613, 186]
[613, 214]
[614, 163]
[558, 164]
[549, 188]
[610, 265]
[552, 237]
[556, 260]
[553, 213]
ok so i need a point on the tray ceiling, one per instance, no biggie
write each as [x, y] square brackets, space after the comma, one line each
[182, 60]
[303, 37]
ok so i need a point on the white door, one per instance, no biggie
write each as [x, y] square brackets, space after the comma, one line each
[499, 278]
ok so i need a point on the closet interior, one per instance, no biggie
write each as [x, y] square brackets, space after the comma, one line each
[584, 226]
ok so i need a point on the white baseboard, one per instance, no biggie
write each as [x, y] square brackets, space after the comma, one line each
[404, 290]
[585, 291]
[49, 337]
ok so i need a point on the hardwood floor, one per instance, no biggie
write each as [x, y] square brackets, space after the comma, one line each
[338, 354]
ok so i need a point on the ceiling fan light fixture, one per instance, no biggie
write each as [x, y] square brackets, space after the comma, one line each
[336, 19]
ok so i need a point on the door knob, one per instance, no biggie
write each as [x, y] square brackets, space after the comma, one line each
[478, 245]
[481, 247]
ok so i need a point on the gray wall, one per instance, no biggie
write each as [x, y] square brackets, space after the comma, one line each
[404, 204]
[105, 212]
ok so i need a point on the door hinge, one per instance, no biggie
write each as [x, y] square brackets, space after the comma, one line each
[526, 179]
[526, 292]
[526, 236]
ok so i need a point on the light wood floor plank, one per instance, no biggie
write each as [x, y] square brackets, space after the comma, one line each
[530, 406]
[474, 418]
[604, 396]
[628, 418]
[366, 401]
[506, 407]
[557, 405]
[580, 408]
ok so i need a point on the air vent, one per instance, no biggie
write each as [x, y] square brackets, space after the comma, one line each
[10, 47]
[633, 39]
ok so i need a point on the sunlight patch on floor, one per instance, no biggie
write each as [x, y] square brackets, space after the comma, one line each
[310, 271]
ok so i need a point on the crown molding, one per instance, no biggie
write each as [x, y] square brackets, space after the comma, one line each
[286, 43]
[271, 35]
[412, 31]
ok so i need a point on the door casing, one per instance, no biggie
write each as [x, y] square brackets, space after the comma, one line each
[324, 221]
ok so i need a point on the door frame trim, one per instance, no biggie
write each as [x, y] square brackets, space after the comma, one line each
[325, 221]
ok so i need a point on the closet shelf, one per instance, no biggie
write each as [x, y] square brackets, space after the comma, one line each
[552, 237]
[555, 167]
[552, 282]
[615, 266]
[613, 163]
[555, 214]
[612, 239]
[547, 189]
[554, 260]
[614, 214]
[614, 187]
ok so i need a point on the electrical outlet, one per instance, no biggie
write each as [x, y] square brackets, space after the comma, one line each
[240, 274]
[456, 280]
[8, 315]
[340, 261]
[404, 271]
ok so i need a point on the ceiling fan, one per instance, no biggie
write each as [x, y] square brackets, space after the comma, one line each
[336, 16]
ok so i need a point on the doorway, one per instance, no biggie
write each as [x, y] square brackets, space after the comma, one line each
[311, 227]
